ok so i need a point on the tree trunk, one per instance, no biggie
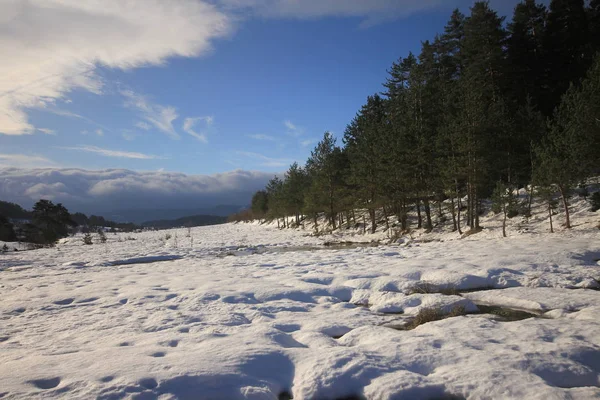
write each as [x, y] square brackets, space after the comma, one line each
[504, 222]
[364, 225]
[563, 195]
[373, 221]
[420, 220]
[429, 224]
[529, 200]
[453, 212]
[316, 220]
[459, 206]
[550, 215]
[278, 227]
[387, 223]
[476, 212]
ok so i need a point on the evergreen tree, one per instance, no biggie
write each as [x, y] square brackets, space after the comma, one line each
[7, 232]
[260, 204]
[525, 53]
[566, 47]
[53, 220]
[364, 144]
[326, 172]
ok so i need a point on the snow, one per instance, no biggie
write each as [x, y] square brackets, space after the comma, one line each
[247, 311]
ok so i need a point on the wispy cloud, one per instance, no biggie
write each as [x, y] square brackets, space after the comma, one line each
[143, 125]
[262, 137]
[308, 142]
[25, 161]
[372, 10]
[56, 46]
[266, 161]
[113, 153]
[69, 114]
[99, 132]
[161, 117]
[292, 129]
[47, 131]
[190, 123]
[129, 135]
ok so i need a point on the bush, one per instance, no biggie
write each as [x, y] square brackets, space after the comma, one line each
[101, 236]
[595, 200]
[87, 239]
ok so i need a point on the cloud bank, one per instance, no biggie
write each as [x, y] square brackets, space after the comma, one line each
[57, 45]
[111, 190]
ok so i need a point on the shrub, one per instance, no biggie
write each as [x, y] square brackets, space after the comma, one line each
[102, 236]
[87, 239]
[168, 236]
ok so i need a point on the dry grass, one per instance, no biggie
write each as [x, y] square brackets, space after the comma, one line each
[428, 288]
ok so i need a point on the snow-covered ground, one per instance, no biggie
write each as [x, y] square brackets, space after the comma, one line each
[244, 311]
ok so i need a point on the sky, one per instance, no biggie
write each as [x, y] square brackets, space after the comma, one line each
[206, 89]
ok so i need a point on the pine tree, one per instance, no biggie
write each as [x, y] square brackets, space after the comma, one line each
[566, 47]
[364, 144]
[525, 53]
[260, 204]
[326, 173]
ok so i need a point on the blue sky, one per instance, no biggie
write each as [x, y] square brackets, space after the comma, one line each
[199, 87]
[263, 96]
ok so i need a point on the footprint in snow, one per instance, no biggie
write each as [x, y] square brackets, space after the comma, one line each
[158, 354]
[49, 383]
[64, 302]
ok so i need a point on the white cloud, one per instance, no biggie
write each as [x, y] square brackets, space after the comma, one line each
[113, 153]
[119, 189]
[190, 123]
[25, 161]
[265, 161]
[262, 137]
[371, 10]
[292, 129]
[99, 132]
[47, 131]
[161, 117]
[56, 46]
[143, 125]
[308, 142]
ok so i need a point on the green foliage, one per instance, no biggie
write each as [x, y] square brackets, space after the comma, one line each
[260, 203]
[101, 236]
[7, 231]
[13, 211]
[52, 221]
[484, 108]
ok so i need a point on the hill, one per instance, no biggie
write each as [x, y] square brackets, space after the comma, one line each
[190, 221]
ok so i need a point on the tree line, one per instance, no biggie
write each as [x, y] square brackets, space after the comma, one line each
[47, 222]
[487, 107]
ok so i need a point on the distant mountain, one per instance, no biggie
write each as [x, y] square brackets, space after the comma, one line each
[190, 221]
[141, 215]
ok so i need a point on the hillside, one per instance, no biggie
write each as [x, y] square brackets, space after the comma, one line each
[191, 221]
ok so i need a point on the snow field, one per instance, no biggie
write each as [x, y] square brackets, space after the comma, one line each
[251, 312]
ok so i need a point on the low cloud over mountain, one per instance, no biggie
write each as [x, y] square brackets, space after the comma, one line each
[112, 190]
